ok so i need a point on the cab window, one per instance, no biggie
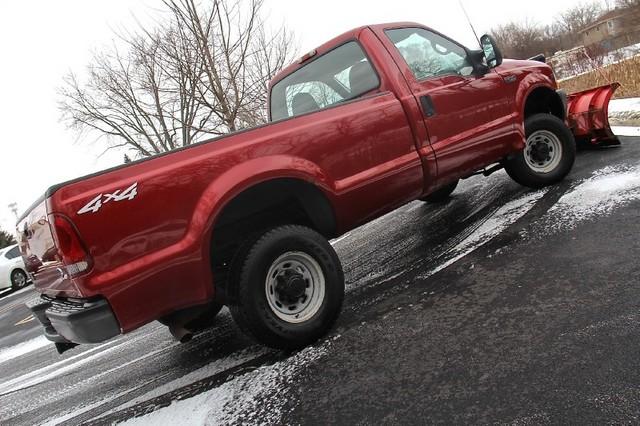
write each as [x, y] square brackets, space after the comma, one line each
[342, 74]
[430, 55]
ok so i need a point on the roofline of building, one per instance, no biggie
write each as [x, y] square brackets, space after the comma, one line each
[605, 18]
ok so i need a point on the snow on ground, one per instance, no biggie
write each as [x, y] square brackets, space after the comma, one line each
[626, 131]
[23, 348]
[257, 397]
[85, 408]
[52, 370]
[567, 64]
[72, 363]
[504, 217]
[606, 190]
[208, 370]
[624, 105]
[625, 112]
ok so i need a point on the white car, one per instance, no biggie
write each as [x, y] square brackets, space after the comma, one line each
[13, 273]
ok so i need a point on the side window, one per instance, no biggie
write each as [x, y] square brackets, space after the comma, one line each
[315, 94]
[430, 55]
[13, 253]
[341, 74]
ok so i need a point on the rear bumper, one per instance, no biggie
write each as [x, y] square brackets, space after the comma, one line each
[75, 321]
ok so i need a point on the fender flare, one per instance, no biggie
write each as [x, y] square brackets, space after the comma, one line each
[221, 191]
[528, 85]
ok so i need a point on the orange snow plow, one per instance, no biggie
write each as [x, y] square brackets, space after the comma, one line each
[588, 116]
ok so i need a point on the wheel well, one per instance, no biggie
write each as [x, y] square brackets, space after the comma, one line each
[544, 100]
[271, 203]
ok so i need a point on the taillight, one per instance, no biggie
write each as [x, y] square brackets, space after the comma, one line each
[70, 248]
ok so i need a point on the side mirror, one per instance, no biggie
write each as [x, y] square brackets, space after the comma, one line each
[479, 62]
[491, 51]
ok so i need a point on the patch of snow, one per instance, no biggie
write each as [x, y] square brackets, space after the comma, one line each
[24, 348]
[134, 361]
[504, 217]
[337, 240]
[576, 62]
[625, 112]
[208, 370]
[606, 190]
[64, 366]
[85, 408]
[52, 370]
[624, 105]
[256, 397]
[626, 131]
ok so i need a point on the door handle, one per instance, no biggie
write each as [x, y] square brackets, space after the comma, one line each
[427, 106]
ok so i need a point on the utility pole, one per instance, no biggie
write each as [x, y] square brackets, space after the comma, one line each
[14, 208]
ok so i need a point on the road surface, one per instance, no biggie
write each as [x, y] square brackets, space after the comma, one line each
[502, 305]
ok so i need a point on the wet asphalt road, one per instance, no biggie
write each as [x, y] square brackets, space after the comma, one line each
[533, 327]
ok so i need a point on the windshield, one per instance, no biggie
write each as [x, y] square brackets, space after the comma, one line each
[429, 54]
[342, 74]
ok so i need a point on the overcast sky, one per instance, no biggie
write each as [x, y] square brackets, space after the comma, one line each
[42, 40]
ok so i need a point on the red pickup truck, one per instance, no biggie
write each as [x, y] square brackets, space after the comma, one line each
[373, 119]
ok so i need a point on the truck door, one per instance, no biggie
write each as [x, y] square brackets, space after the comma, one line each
[468, 116]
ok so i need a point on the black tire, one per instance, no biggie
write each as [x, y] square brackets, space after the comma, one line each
[442, 194]
[519, 167]
[19, 279]
[247, 289]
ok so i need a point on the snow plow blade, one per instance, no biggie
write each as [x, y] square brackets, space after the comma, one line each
[588, 116]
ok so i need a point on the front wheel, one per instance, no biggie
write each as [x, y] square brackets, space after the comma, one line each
[288, 287]
[549, 153]
[18, 279]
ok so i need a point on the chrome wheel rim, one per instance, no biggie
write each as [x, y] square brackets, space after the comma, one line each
[19, 279]
[295, 287]
[543, 151]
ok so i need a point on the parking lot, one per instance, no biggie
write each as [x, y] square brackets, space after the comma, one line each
[502, 305]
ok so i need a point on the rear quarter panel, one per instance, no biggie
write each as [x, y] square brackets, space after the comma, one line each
[151, 253]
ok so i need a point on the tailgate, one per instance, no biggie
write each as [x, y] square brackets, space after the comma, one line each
[41, 255]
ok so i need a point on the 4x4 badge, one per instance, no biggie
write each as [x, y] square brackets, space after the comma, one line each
[119, 195]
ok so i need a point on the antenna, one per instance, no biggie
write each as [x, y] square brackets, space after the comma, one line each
[470, 24]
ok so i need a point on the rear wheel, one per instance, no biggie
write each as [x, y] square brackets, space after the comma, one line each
[549, 153]
[441, 194]
[18, 279]
[287, 287]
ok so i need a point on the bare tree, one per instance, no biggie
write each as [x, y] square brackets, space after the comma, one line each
[520, 40]
[238, 54]
[627, 4]
[202, 72]
[139, 99]
[571, 21]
